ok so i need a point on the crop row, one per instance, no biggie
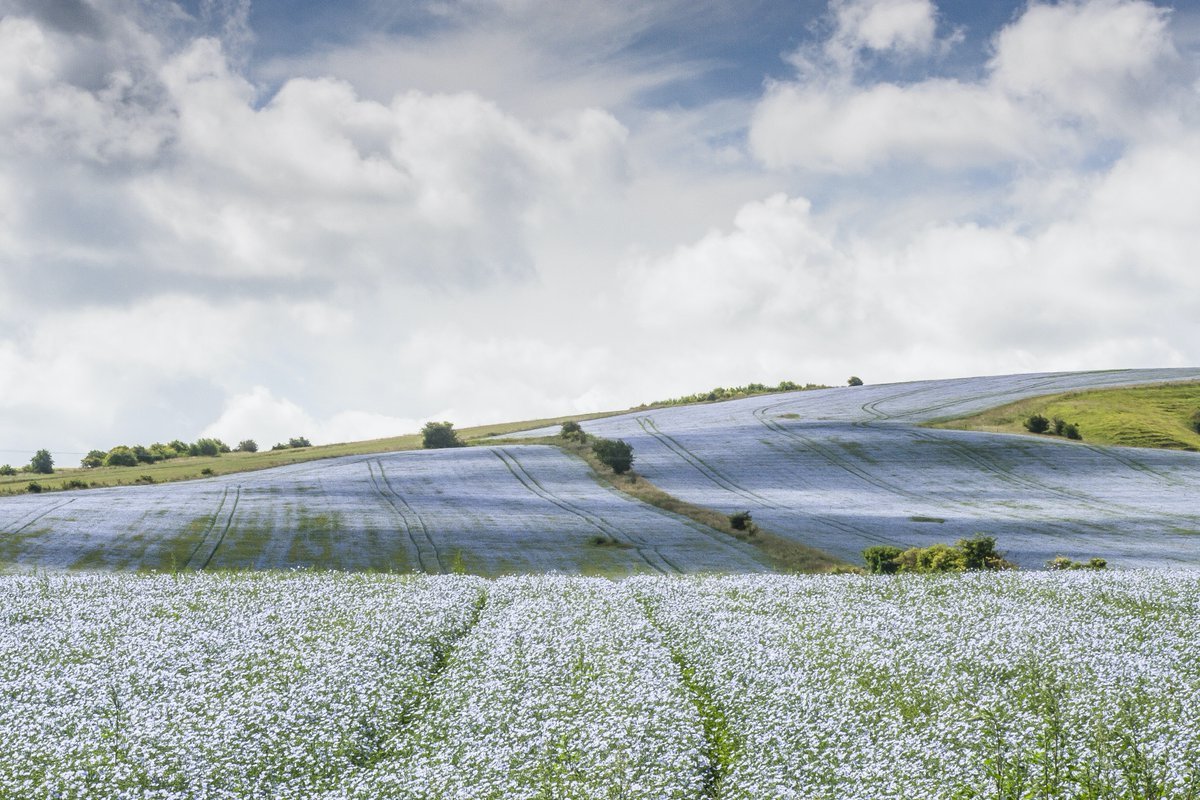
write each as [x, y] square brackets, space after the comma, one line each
[355, 686]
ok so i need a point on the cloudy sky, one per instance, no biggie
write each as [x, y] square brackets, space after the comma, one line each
[265, 218]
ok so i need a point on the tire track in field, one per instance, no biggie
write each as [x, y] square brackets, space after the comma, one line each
[427, 556]
[423, 529]
[37, 516]
[640, 546]
[703, 467]
[202, 554]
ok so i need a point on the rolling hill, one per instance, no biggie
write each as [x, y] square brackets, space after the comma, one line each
[835, 469]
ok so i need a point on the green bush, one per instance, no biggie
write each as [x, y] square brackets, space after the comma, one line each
[120, 456]
[1194, 421]
[438, 435]
[854, 381]
[247, 446]
[75, 483]
[94, 458]
[1071, 431]
[207, 447]
[42, 463]
[1064, 563]
[881, 559]
[1036, 423]
[980, 553]
[299, 441]
[35, 488]
[617, 455]
[572, 431]
[8, 469]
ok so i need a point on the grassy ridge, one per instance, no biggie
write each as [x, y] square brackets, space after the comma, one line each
[189, 467]
[1138, 416]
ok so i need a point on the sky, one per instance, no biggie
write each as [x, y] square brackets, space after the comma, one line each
[264, 219]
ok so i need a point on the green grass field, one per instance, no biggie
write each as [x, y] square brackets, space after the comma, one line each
[1139, 416]
[189, 467]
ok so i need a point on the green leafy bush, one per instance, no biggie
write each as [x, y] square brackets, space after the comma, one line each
[1064, 563]
[965, 555]
[881, 559]
[1071, 431]
[1194, 420]
[247, 446]
[35, 488]
[8, 469]
[438, 435]
[207, 447]
[617, 454]
[75, 483]
[94, 458]
[572, 431]
[299, 441]
[120, 456]
[1036, 423]
[854, 381]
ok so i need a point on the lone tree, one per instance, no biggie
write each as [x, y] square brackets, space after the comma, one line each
[437, 435]
[615, 454]
[247, 446]
[854, 381]
[42, 463]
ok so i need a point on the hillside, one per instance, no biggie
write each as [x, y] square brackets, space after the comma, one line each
[1138, 416]
[830, 470]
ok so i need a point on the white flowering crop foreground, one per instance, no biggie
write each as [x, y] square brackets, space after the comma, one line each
[359, 686]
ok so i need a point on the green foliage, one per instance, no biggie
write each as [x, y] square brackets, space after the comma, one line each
[854, 381]
[1064, 563]
[120, 456]
[207, 471]
[732, 392]
[881, 559]
[247, 446]
[1194, 421]
[438, 435]
[1071, 431]
[179, 446]
[42, 463]
[75, 483]
[8, 469]
[280, 446]
[1036, 423]
[207, 447]
[94, 458]
[742, 521]
[615, 454]
[572, 431]
[35, 488]
[965, 555]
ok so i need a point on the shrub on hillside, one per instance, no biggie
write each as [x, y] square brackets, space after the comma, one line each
[94, 458]
[1036, 423]
[438, 435]
[617, 454]
[854, 381]
[881, 559]
[35, 488]
[965, 555]
[247, 446]
[299, 441]
[120, 456]
[572, 431]
[1064, 563]
[1194, 421]
[207, 447]
[75, 483]
[8, 469]
[1071, 431]
[42, 463]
